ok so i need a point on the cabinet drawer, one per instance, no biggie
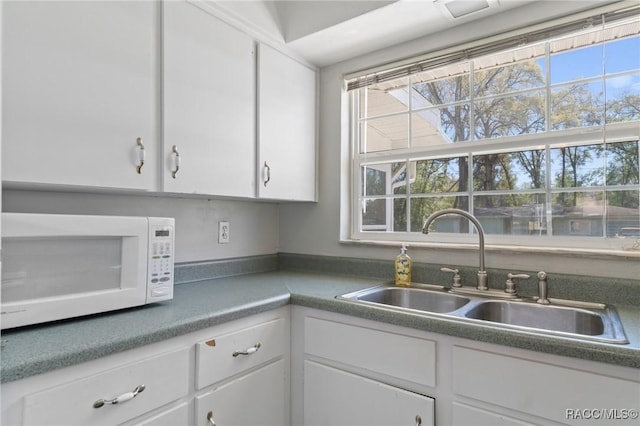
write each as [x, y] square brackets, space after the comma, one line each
[403, 357]
[165, 377]
[224, 356]
[540, 389]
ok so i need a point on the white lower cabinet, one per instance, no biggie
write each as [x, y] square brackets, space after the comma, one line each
[353, 371]
[248, 389]
[333, 397]
[260, 397]
[357, 375]
[557, 393]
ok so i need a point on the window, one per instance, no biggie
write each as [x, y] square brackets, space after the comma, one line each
[539, 141]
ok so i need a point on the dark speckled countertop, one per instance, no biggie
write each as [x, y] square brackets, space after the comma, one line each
[198, 305]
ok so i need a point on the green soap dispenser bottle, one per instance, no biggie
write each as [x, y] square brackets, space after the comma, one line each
[403, 268]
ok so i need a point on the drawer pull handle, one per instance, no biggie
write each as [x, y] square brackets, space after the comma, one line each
[119, 399]
[253, 349]
[210, 418]
[418, 420]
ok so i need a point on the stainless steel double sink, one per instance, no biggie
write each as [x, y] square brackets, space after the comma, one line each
[580, 320]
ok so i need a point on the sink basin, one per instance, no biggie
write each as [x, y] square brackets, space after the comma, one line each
[597, 322]
[418, 299]
[579, 320]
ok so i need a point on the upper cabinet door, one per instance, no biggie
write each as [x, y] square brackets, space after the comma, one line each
[209, 104]
[286, 128]
[80, 88]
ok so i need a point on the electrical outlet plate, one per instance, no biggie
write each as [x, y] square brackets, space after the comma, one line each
[223, 232]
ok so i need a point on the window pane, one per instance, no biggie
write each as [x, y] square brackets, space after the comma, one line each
[578, 214]
[619, 55]
[510, 115]
[384, 214]
[528, 169]
[375, 180]
[623, 98]
[576, 64]
[421, 208]
[427, 129]
[507, 171]
[516, 214]
[383, 98]
[509, 78]
[400, 214]
[384, 179]
[577, 166]
[442, 91]
[623, 163]
[623, 214]
[384, 134]
[455, 122]
[374, 215]
[577, 105]
[440, 176]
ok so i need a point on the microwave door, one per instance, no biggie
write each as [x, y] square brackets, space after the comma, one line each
[50, 277]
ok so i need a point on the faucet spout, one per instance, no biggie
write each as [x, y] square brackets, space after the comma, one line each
[482, 273]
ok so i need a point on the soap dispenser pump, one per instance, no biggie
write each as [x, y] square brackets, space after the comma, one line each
[403, 268]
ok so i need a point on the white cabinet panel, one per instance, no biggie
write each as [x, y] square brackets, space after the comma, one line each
[208, 104]
[336, 398]
[80, 86]
[403, 357]
[540, 389]
[259, 398]
[286, 127]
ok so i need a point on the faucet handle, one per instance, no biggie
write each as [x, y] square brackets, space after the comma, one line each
[510, 285]
[456, 276]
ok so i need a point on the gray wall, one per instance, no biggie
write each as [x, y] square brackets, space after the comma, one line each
[316, 229]
[253, 225]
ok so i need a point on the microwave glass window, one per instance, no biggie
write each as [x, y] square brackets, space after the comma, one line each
[34, 268]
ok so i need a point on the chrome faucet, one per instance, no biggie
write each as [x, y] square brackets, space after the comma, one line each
[481, 278]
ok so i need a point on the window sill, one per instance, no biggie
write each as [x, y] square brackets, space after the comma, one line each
[505, 249]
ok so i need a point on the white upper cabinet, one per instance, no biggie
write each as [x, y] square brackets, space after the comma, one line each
[286, 127]
[80, 88]
[208, 104]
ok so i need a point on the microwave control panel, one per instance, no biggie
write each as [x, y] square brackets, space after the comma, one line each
[161, 254]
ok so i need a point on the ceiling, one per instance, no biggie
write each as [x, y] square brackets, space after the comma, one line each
[324, 32]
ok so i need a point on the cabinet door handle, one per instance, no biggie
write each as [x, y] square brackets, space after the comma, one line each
[121, 398]
[253, 349]
[210, 419]
[141, 155]
[176, 161]
[418, 420]
[266, 173]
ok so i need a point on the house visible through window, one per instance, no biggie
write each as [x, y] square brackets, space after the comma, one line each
[539, 141]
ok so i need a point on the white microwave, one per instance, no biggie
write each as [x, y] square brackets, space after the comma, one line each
[64, 266]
